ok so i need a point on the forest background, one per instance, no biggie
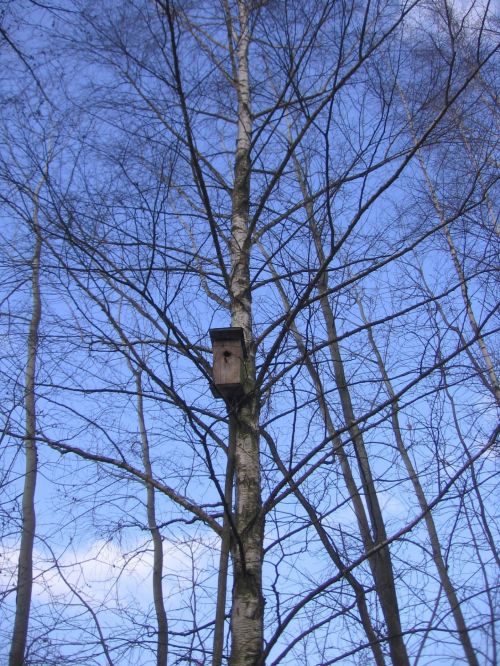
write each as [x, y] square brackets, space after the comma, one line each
[323, 175]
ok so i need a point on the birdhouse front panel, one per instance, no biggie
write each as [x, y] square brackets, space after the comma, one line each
[228, 361]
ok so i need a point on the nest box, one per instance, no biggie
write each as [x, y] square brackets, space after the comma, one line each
[229, 370]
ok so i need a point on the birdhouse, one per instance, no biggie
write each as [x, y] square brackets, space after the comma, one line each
[229, 371]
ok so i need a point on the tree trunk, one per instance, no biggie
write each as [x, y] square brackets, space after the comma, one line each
[25, 564]
[220, 613]
[340, 453]
[437, 556]
[247, 552]
[380, 562]
[161, 614]
[493, 384]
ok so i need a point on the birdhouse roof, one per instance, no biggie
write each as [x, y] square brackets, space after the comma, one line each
[230, 334]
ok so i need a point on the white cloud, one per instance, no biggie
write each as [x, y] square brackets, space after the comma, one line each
[105, 572]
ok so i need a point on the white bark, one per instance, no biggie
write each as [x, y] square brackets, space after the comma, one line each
[437, 555]
[492, 380]
[345, 466]
[25, 564]
[380, 563]
[248, 603]
[161, 614]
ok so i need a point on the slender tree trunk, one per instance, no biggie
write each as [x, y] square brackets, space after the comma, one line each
[340, 453]
[490, 368]
[437, 556]
[220, 613]
[471, 156]
[333, 553]
[380, 562]
[161, 614]
[25, 565]
[493, 382]
[247, 551]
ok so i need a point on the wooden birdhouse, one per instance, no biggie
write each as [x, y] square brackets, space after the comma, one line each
[229, 370]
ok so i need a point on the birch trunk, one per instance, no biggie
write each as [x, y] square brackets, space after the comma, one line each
[493, 383]
[380, 562]
[25, 564]
[247, 551]
[220, 613]
[345, 466]
[437, 556]
[161, 614]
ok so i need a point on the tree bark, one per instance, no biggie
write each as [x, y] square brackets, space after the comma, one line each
[354, 495]
[380, 563]
[25, 564]
[247, 550]
[220, 613]
[437, 556]
[493, 383]
[161, 614]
